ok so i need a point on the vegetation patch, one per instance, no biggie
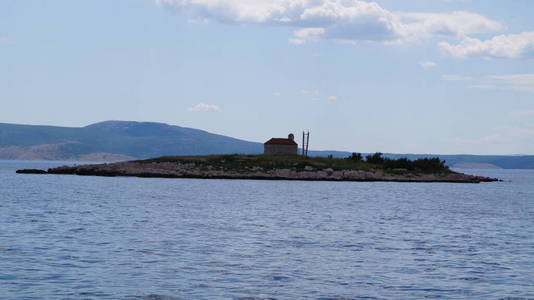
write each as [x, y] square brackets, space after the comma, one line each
[355, 162]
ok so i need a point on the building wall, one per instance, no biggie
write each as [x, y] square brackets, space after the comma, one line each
[280, 149]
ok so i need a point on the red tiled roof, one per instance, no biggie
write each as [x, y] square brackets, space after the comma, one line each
[275, 141]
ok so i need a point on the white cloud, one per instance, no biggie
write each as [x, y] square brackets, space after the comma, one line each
[458, 24]
[277, 94]
[341, 20]
[332, 98]
[309, 34]
[428, 64]
[515, 82]
[457, 78]
[205, 107]
[502, 46]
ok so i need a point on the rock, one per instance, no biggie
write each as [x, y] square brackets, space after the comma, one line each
[191, 170]
[31, 171]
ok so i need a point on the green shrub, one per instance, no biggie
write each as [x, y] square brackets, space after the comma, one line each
[422, 164]
[401, 163]
[427, 164]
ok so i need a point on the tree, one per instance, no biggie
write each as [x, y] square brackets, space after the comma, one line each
[357, 157]
[375, 158]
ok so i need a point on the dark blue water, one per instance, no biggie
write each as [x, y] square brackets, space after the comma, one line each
[70, 237]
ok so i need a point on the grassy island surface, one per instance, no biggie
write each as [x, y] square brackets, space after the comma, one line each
[246, 163]
[267, 167]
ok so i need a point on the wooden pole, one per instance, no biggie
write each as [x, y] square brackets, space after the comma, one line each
[303, 135]
[307, 143]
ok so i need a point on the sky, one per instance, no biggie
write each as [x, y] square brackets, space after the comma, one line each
[410, 76]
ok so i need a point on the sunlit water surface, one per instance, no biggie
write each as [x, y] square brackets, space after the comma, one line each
[71, 237]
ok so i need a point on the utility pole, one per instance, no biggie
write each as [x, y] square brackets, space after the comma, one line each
[305, 143]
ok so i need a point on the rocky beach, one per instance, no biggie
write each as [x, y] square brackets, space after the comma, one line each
[247, 167]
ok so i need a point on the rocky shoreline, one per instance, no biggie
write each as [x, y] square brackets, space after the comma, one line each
[192, 170]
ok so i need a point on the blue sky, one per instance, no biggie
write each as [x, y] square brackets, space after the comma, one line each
[414, 76]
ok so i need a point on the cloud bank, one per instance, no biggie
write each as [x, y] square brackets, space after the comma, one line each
[502, 46]
[350, 21]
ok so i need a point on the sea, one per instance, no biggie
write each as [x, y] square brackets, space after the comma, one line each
[81, 237]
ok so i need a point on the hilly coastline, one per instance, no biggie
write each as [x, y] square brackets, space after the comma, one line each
[112, 141]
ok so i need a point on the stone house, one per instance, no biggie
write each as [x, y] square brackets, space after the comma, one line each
[281, 146]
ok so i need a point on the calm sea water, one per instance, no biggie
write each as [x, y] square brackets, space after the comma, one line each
[70, 237]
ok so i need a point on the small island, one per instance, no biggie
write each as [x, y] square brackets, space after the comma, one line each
[277, 167]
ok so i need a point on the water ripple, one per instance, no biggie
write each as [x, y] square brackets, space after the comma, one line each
[68, 237]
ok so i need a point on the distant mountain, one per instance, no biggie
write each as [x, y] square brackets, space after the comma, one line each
[119, 139]
[125, 140]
